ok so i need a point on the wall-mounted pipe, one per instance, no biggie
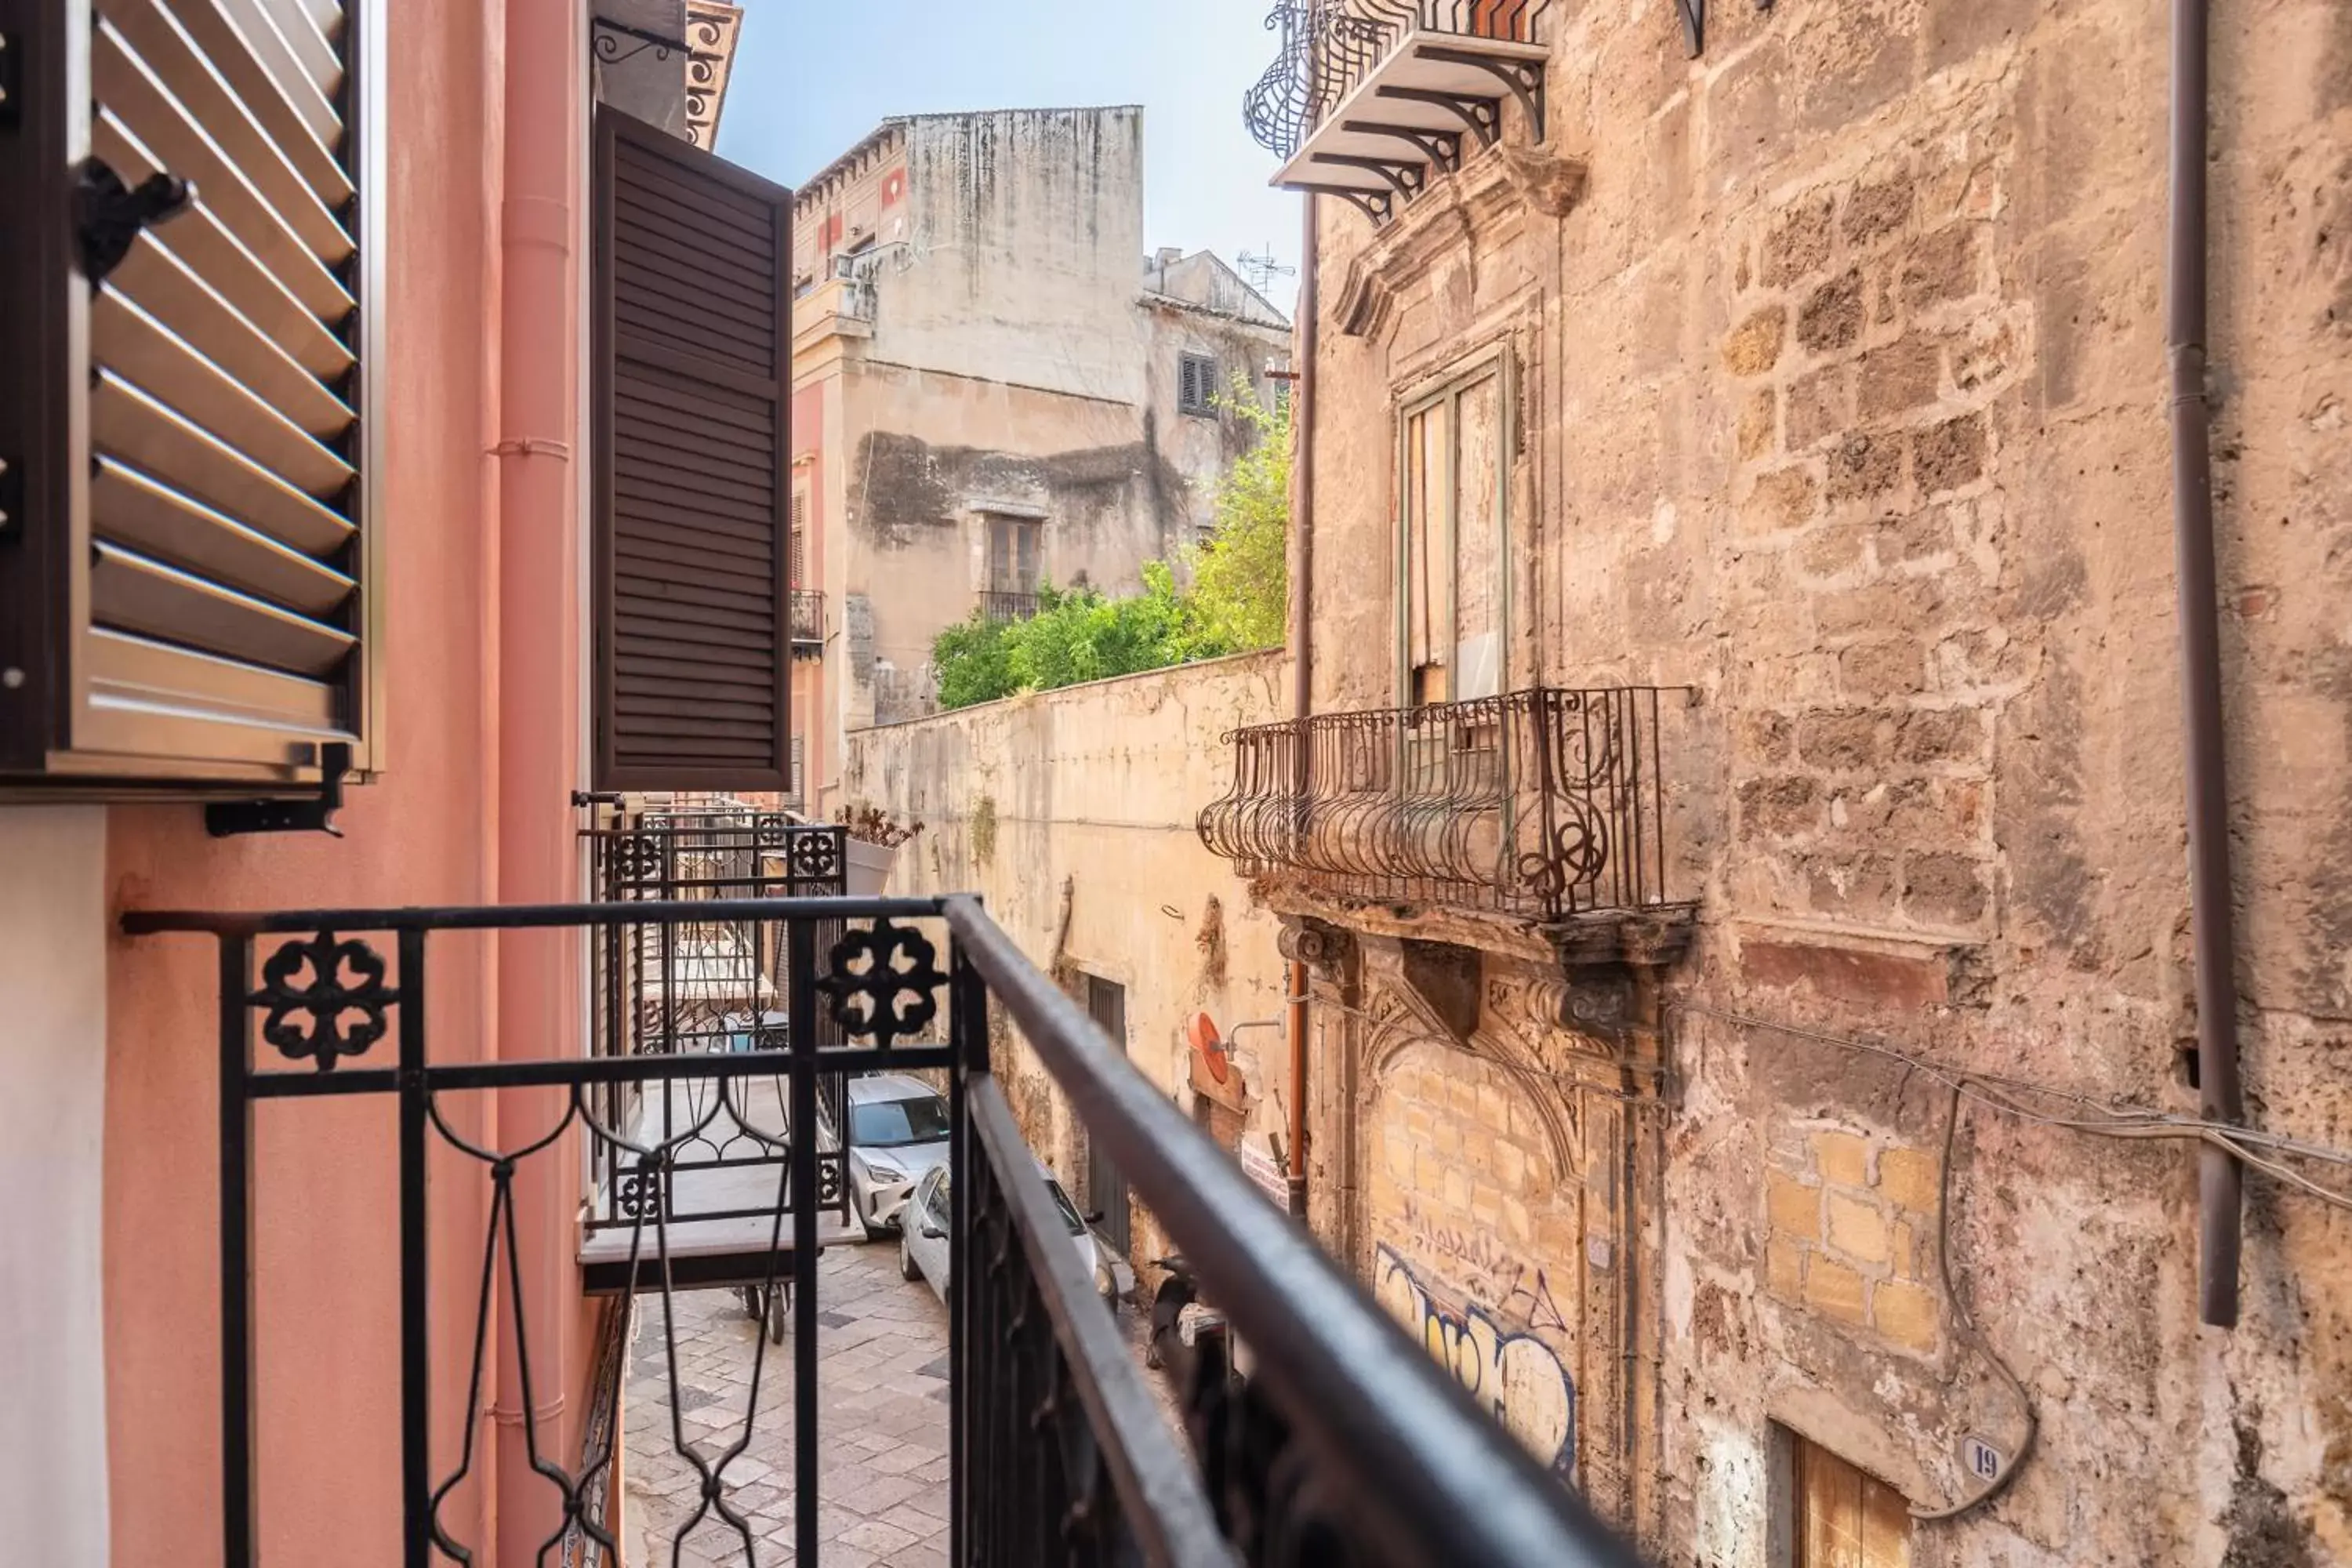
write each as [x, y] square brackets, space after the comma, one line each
[2221, 1179]
[1302, 648]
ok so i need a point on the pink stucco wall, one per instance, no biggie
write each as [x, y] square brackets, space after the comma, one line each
[467, 654]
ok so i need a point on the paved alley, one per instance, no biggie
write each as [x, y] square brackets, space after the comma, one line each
[882, 1424]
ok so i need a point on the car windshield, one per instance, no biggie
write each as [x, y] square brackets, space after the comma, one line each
[1069, 1210]
[893, 1123]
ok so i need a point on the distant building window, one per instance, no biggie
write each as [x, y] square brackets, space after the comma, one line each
[1196, 385]
[1014, 551]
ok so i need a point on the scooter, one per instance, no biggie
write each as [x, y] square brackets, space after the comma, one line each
[1178, 1317]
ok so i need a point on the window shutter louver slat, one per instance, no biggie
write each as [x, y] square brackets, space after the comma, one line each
[694, 549]
[212, 623]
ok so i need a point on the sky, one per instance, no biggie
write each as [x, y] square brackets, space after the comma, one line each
[811, 79]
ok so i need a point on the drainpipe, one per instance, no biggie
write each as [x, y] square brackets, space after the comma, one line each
[539, 985]
[1302, 654]
[2221, 1179]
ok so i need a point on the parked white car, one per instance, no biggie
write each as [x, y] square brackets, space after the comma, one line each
[923, 1238]
[897, 1131]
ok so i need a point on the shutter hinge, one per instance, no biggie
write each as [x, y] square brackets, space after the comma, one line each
[12, 497]
[11, 80]
[225, 819]
[108, 214]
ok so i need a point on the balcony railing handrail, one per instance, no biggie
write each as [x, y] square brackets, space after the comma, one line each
[1455, 1486]
[1347, 1433]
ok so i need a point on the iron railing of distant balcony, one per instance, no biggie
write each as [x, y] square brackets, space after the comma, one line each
[1329, 47]
[1546, 803]
[996, 605]
[808, 620]
[1347, 1445]
[690, 987]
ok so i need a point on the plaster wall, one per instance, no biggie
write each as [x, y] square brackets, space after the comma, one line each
[1070, 812]
[54, 1481]
[1842, 402]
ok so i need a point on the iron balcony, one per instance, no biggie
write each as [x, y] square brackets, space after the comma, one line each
[1548, 804]
[724, 1023]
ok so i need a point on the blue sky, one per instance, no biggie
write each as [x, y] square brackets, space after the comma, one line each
[811, 79]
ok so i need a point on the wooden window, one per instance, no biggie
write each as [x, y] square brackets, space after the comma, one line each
[1452, 453]
[693, 487]
[189, 585]
[1012, 555]
[799, 753]
[1841, 1518]
[799, 539]
[1196, 385]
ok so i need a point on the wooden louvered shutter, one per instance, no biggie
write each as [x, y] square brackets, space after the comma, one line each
[693, 482]
[187, 593]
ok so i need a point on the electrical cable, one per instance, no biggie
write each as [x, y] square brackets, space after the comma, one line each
[2111, 1121]
[1999, 1093]
[1973, 1334]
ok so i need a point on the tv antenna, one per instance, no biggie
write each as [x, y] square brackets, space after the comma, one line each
[1262, 271]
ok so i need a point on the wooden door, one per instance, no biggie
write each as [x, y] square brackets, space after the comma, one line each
[1846, 1519]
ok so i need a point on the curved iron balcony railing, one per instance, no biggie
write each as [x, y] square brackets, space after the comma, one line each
[1548, 803]
[1329, 47]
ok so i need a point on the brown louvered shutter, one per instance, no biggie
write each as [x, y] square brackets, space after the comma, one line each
[693, 400]
[187, 590]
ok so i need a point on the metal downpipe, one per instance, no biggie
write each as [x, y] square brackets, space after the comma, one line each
[1302, 656]
[2220, 1178]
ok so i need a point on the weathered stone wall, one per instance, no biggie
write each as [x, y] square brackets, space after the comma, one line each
[1071, 814]
[1842, 402]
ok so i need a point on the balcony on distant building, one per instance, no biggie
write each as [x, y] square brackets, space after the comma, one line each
[808, 622]
[1546, 806]
[1369, 100]
[1000, 605]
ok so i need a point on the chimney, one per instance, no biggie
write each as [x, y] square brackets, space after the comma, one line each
[1169, 256]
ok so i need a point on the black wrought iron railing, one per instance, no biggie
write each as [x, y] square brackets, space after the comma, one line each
[1348, 1445]
[1548, 803]
[1329, 47]
[997, 605]
[808, 619]
[691, 987]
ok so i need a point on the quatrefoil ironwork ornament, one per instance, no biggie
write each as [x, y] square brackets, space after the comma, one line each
[636, 857]
[814, 854]
[638, 1193]
[314, 1021]
[883, 982]
[768, 830]
[828, 1182]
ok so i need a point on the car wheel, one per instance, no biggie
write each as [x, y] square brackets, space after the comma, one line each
[908, 1269]
[779, 1314]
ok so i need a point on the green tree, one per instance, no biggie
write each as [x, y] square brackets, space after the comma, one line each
[1241, 573]
[1236, 602]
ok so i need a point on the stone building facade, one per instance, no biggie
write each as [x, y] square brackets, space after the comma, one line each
[1813, 380]
[995, 388]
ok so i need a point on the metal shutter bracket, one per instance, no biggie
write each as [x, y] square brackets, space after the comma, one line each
[110, 215]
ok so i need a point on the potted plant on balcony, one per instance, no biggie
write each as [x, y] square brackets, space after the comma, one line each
[874, 837]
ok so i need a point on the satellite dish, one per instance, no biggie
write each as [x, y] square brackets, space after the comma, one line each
[1202, 1035]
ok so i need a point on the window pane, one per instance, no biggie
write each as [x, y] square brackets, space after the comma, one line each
[891, 1124]
[1477, 541]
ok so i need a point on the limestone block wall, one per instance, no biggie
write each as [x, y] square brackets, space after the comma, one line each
[1842, 401]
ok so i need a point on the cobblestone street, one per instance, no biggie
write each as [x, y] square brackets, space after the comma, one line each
[882, 1420]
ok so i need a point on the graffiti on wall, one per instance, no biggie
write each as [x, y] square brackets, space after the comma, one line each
[1513, 1374]
[1485, 1264]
